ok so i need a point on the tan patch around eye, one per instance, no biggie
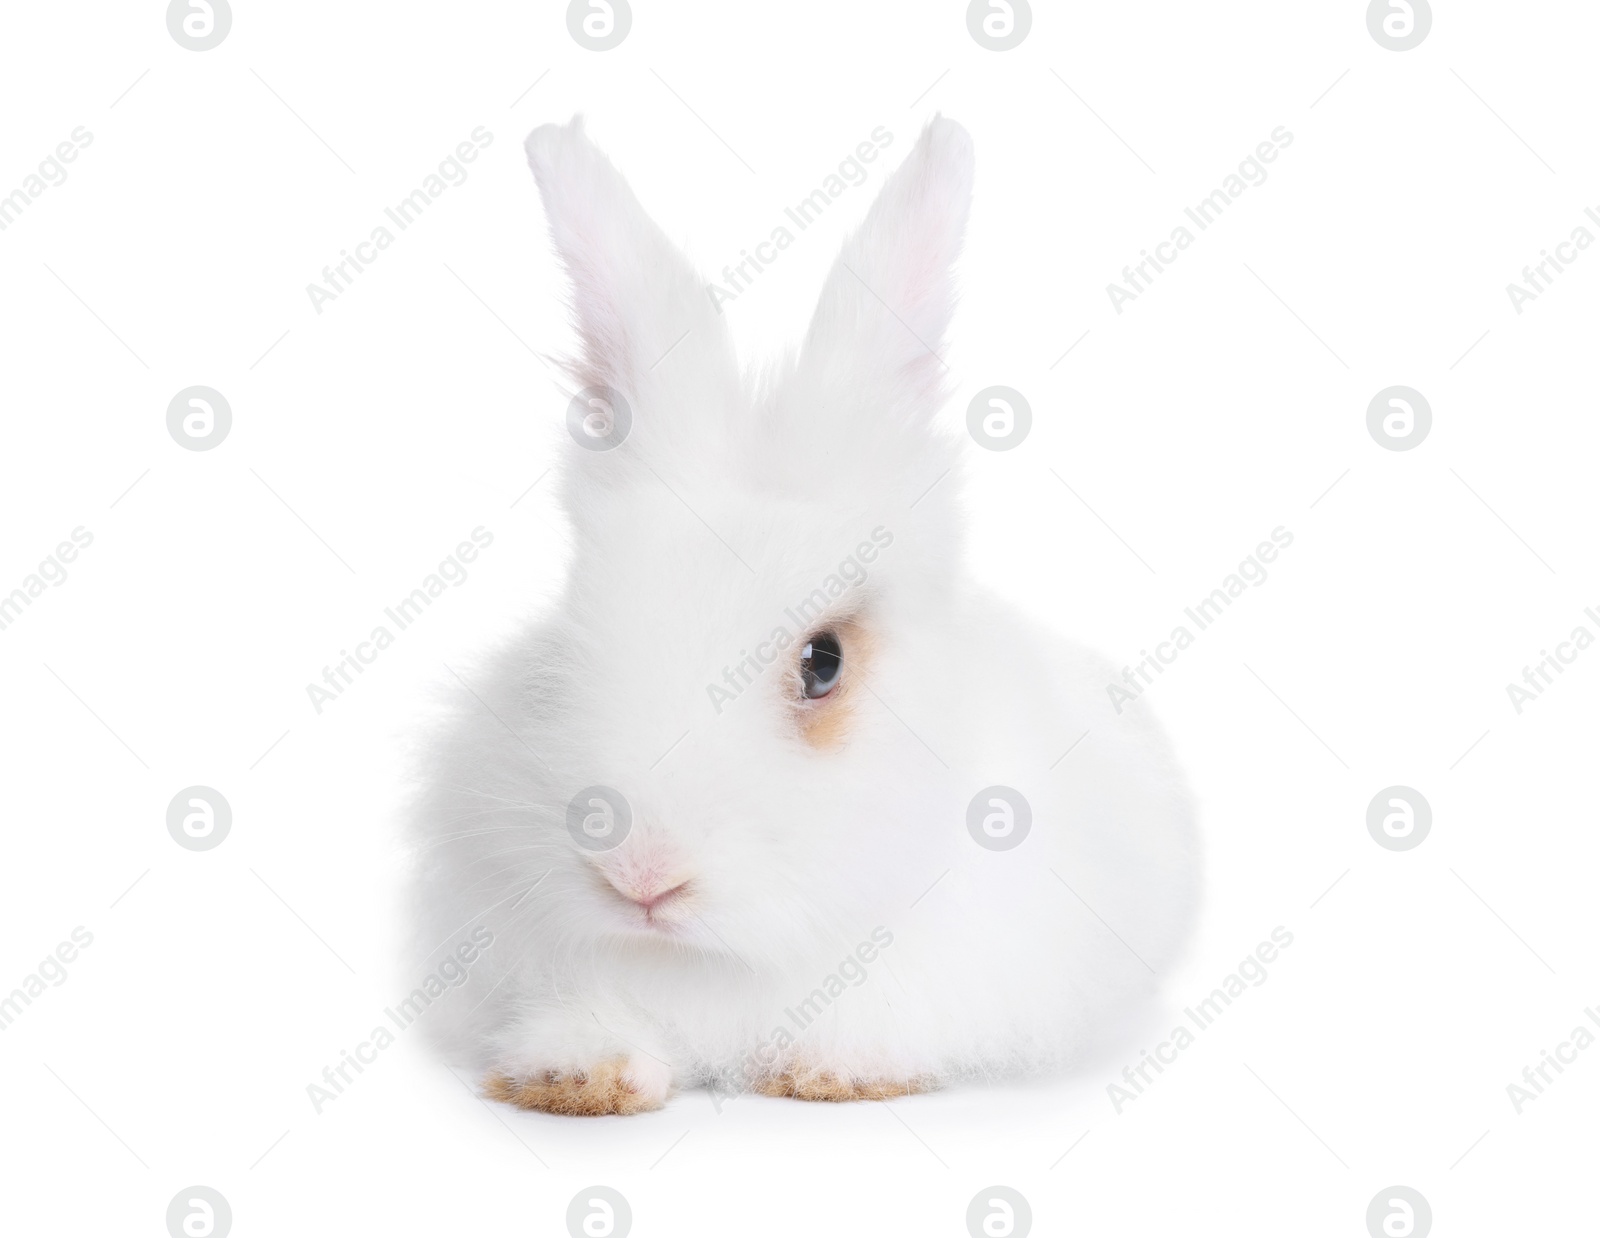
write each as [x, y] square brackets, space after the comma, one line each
[825, 723]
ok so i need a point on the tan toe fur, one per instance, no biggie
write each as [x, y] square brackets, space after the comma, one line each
[815, 1084]
[602, 1089]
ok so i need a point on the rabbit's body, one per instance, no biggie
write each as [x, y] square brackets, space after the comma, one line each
[798, 904]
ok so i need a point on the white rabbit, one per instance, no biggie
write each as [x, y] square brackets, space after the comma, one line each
[781, 697]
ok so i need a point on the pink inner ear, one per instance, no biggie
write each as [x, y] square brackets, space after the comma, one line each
[603, 332]
[924, 296]
[927, 280]
[602, 329]
[630, 286]
[909, 243]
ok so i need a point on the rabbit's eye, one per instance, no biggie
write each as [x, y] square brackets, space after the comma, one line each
[820, 663]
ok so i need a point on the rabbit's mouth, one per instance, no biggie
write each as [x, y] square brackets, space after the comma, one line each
[668, 907]
[662, 904]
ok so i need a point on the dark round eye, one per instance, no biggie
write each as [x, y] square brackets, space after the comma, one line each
[820, 663]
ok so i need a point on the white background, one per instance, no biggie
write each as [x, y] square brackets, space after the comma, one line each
[1222, 403]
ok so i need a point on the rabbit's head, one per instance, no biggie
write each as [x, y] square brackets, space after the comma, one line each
[764, 581]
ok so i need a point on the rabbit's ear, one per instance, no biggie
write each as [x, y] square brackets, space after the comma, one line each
[635, 297]
[888, 300]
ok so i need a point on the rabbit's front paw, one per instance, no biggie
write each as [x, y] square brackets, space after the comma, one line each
[618, 1085]
[816, 1083]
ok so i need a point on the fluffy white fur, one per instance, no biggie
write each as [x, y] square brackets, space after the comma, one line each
[794, 853]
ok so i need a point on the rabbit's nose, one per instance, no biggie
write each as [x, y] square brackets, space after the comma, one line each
[652, 893]
[650, 875]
